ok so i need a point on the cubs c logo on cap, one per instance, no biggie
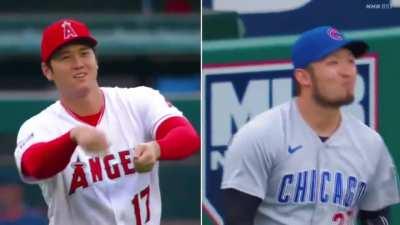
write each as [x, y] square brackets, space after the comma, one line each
[69, 31]
[317, 43]
[335, 34]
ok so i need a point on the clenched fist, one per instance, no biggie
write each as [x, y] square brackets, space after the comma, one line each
[145, 156]
[89, 138]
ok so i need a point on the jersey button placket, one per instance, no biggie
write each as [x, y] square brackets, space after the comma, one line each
[321, 162]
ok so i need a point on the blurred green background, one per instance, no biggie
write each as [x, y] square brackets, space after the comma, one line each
[223, 43]
[148, 42]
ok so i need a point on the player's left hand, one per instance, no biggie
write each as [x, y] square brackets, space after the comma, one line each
[145, 156]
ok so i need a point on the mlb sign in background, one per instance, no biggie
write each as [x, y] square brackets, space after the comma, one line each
[235, 93]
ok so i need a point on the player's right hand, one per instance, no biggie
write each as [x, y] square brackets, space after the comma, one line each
[89, 138]
[146, 156]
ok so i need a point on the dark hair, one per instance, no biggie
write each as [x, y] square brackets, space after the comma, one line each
[297, 87]
[78, 41]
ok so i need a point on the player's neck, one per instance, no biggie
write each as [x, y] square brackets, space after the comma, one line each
[324, 121]
[88, 105]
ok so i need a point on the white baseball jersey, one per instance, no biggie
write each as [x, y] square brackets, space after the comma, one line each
[102, 190]
[301, 180]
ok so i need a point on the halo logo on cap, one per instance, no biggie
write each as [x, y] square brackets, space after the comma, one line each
[69, 31]
[334, 34]
[63, 32]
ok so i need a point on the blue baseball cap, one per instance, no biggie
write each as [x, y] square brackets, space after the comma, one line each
[316, 44]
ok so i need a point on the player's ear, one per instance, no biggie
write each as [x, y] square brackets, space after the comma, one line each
[47, 71]
[303, 77]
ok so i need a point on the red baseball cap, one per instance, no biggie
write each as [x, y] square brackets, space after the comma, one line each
[63, 32]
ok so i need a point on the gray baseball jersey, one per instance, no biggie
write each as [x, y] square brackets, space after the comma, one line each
[301, 180]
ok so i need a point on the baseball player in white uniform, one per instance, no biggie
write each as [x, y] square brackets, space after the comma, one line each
[306, 162]
[94, 153]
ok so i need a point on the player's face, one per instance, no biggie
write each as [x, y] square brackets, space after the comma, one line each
[333, 79]
[73, 70]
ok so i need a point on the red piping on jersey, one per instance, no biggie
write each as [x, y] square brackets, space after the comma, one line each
[177, 139]
[176, 136]
[92, 120]
[45, 159]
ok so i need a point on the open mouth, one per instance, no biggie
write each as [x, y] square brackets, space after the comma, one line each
[79, 75]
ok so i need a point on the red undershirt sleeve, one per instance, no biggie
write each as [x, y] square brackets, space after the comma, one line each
[177, 139]
[45, 159]
[176, 136]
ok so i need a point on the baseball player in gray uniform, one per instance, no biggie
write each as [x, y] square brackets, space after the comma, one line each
[306, 162]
